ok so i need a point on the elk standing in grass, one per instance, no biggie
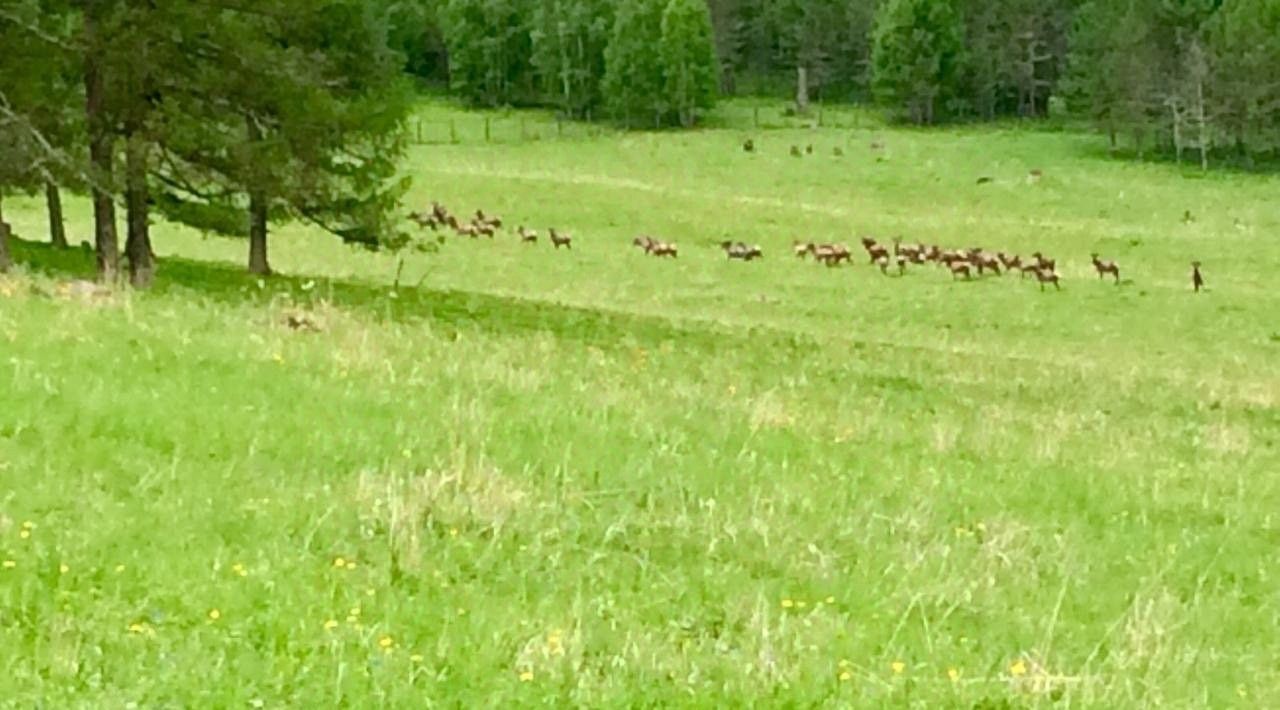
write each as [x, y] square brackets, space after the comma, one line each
[527, 236]
[1105, 267]
[560, 240]
[665, 249]
[1197, 281]
[802, 250]
[1047, 276]
[959, 268]
[875, 251]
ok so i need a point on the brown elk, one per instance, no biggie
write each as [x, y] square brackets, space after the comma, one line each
[494, 222]
[560, 240]
[1046, 276]
[1044, 262]
[985, 262]
[1105, 267]
[802, 250]
[875, 251]
[902, 264]
[527, 236]
[832, 254]
[739, 250]
[644, 243]
[882, 261]
[959, 268]
[1197, 281]
[1010, 261]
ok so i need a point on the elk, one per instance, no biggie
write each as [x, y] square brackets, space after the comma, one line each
[985, 262]
[882, 261]
[1010, 261]
[645, 243]
[912, 252]
[959, 268]
[832, 254]
[795, 151]
[1045, 262]
[495, 222]
[902, 264]
[802, 250]
[874, 250]
[527, 236]
[1105, 267]
[423, 219]
[749, 146]
[560, 240]
[1197, 281]
[664, 249]
[1045, 276]
[739, 250]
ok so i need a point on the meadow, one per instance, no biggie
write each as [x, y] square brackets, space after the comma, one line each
[500, 475]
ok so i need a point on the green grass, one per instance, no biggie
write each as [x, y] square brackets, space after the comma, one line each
[663, 483]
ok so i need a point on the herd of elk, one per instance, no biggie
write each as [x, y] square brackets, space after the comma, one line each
[960, 263]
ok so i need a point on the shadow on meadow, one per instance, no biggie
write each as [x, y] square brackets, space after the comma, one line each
[451, 310]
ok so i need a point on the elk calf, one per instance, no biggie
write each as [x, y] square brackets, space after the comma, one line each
[1105, 267]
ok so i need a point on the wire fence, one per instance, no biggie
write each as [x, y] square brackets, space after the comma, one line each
[446, 128]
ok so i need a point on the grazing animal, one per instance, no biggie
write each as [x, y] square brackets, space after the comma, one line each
[1045, 262]
[838, 152]
[560, 240]
[882, 261]
[749, 146]
[802, 250]
[1197, 281]
[1105, 267]
[527, 236]
[809, 149]
[795, 151]
[423, 219]
[874, 250]
[959, 268]
[1028, 269]
[644, 243]
[665, 249]
[902, 264]
[739, 250]
[985, 262]
[1046, 276]
[1010, 261]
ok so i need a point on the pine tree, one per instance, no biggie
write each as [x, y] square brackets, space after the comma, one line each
[688, 56]
[917, 57]
[634, 83]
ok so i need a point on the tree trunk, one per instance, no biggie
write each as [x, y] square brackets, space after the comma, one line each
[100, 155]
[1204, 128]
[6, 261]
[137, 245]
[802, 91]
[258, 235]
[57, 227]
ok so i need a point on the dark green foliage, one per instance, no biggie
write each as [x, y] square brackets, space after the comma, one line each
[917, 58]
[633, 80]
[569, 40]
[490, 50]
[688, 56]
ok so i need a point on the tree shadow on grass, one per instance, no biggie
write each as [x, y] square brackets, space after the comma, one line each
[448, 310]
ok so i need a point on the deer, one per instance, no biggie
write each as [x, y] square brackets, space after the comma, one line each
[1197, 281]
[1105, 267]
[527, 236]
[560, 240]
[1045, 276]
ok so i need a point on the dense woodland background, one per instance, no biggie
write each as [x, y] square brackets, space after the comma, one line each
[232, 116]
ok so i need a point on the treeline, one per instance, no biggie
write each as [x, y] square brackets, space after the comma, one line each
[1162, 75]
[224, 116]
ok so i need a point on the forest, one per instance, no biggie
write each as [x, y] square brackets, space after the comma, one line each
[232, 117]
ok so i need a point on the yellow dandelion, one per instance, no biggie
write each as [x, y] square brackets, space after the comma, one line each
[982, 527]
[831, 600]
[351, 564]
[277, 357]
[355, 611]
[239, 569]
[331, 624]
[526, 676]
[407, 453]
[844, 663]
[953, 674]
[787, 603]
[898, 667]
[351, 619]
[214, 615]
[28, 525]
[845, 675]
[1241, 691]
[339, 562]
[24, 533]
[8, 564]
[119, 569]
[416, 658]
[63, 568]
[1018, 668]
[453, 532]
[386, 642]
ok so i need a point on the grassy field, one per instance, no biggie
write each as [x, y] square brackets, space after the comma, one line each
[528, 477]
